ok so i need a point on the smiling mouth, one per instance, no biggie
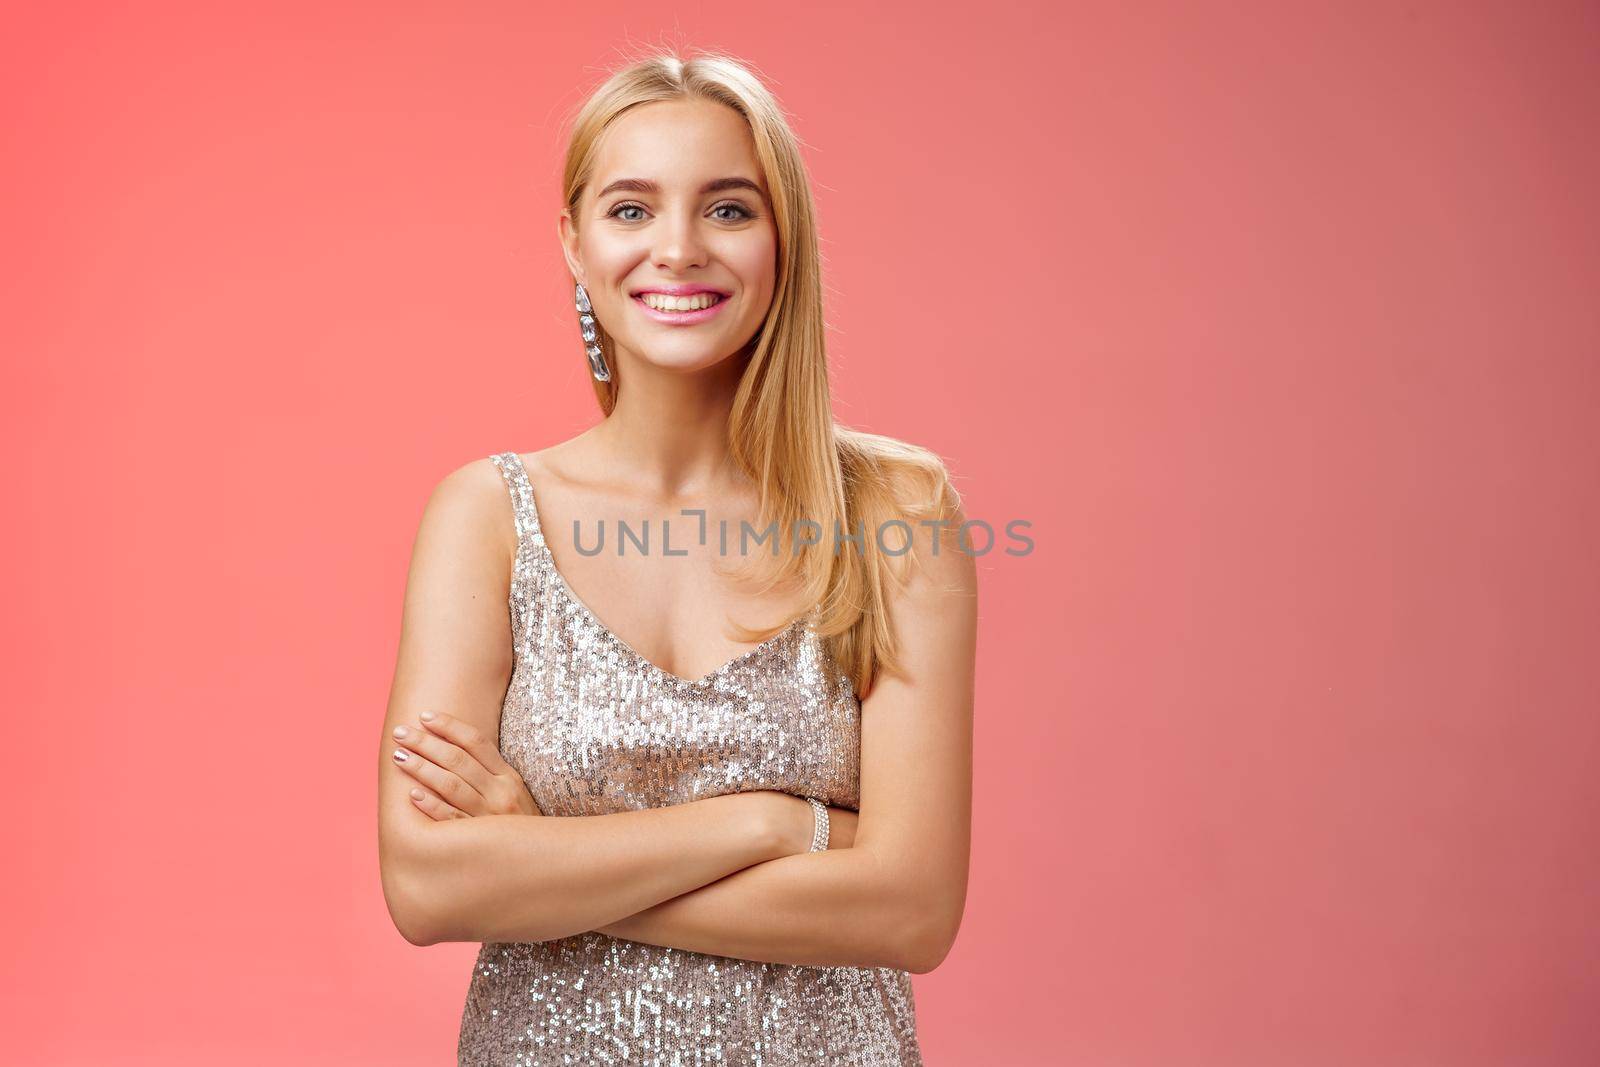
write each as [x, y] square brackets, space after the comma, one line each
[679, 305]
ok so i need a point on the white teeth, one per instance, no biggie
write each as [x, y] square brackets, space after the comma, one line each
[662, 302]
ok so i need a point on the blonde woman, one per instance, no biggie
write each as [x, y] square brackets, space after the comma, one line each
[703, 795]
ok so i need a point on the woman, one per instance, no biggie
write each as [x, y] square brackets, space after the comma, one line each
[763, 834]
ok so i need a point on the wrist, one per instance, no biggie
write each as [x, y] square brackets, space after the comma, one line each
[805, 825]
[769, 821]
[785, 824]
[790, 824]
[820, 825]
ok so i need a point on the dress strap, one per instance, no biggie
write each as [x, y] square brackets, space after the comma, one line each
[516, 477]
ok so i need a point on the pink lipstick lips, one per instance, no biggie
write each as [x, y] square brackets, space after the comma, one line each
[680, 318]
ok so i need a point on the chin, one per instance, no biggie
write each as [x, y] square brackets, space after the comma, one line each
[684, 362]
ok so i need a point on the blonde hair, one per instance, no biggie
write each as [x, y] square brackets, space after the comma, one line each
[781, 430]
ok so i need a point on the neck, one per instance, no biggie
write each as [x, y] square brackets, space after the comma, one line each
[669, 430]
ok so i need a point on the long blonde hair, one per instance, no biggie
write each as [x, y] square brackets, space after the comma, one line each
[781, 430]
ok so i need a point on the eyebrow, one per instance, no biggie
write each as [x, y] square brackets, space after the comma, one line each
[644, 185]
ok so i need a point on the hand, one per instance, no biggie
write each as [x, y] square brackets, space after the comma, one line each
[458, 774]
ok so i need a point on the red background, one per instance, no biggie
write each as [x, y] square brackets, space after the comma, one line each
[1279, 326]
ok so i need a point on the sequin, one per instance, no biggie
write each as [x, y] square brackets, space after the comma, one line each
[594, 727]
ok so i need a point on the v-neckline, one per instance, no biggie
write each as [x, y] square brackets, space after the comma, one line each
[577, 602]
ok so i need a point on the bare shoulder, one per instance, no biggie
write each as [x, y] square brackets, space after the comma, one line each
[933, 607]
[470, 510]
[930, 599]
[474, 501]
[945, 562]
[920, 493]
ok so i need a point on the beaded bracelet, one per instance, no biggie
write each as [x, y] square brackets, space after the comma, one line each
[819, 836]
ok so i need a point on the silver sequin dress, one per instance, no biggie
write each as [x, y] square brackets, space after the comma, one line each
[593, 727]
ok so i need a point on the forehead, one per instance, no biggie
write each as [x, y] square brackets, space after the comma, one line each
[678, 144]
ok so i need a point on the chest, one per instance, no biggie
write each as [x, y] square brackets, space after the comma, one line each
[675, 614]
[593, 728]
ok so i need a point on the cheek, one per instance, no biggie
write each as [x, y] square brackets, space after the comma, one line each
[757, 266]
[610, 257]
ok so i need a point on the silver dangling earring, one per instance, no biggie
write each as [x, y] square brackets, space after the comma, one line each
[591, 338]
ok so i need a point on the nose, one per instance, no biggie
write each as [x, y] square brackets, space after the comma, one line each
[678, 243]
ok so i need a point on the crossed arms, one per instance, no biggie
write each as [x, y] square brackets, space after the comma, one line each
[720, 875]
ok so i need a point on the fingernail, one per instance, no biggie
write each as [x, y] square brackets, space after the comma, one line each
[426, 716]
[399, 731]
[416, 794]
[400, 755]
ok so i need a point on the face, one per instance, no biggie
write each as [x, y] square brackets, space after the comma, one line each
[676, 216]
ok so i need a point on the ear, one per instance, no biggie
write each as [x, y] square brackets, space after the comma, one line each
[567, 234]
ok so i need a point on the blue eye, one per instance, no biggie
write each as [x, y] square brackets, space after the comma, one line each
[743, 212]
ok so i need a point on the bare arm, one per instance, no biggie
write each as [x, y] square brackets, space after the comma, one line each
[518, 877]
[534, 878]
[822, 909]
[896, 897]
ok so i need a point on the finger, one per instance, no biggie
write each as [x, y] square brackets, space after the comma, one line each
[441, 781]
[433, 807]
[442, 752]
[468, 738]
